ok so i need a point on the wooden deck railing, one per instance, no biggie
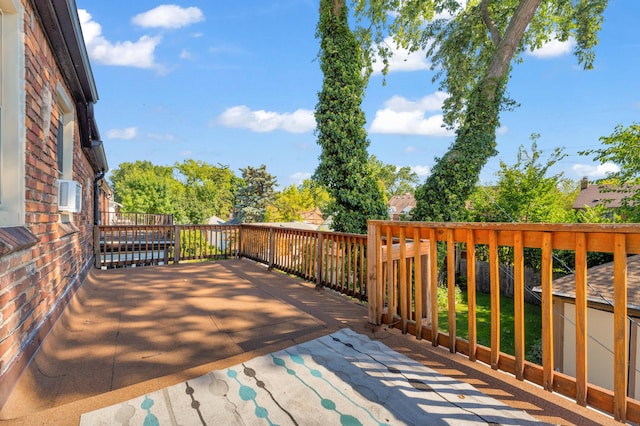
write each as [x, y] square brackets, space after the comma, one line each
[330, 259]
[108, 218]
[396, 268]
[402, 286]
[129, 245]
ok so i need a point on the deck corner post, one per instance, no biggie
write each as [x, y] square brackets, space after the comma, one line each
[176, 245]
[372, 279]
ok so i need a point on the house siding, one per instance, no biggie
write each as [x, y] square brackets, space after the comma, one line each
[37, 282]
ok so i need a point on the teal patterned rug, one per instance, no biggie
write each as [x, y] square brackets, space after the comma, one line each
[340, 379]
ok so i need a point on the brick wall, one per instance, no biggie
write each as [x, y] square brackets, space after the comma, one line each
[37, 282]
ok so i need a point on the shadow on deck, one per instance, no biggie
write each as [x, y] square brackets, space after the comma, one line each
[136, 330]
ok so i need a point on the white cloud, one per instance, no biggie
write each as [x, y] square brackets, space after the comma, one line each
[139, 54]
[299, 177]
[402, 59]
[185, 54]
[169, 16]
[502, 130]
[410, 149]
[421, 171]
[161, 136]
[404, 117]
[599, 171]
[299, 121]
[554, 48]
[126, 134]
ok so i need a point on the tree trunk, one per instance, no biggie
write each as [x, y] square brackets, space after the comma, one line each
[442, 197]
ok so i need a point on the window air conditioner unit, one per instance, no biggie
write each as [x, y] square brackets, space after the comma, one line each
[69, 196]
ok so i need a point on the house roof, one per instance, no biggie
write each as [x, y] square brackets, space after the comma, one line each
[608, 195]
[402, 203]
[600, 284]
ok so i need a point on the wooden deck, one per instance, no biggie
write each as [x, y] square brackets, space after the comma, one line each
[135, 330]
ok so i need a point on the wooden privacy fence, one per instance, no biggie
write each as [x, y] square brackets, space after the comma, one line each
[402, 285]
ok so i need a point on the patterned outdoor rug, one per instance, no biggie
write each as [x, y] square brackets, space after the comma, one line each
[340, 379]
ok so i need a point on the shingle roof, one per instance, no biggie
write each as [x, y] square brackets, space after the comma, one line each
[600, 284]
[401, 204]
[594, 195]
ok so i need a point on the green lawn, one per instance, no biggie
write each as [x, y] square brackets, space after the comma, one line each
[532, 322]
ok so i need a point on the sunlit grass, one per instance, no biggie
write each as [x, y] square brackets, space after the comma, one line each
[532, 322]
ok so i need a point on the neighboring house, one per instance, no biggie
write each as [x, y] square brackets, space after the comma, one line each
[606, 195]
[599, 324]
[52, 162]
[400, 206]
[313, 217]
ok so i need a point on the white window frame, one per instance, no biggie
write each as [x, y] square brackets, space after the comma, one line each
[12, 114]
[66, 116]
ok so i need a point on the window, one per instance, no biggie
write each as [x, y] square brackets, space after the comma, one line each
[12, 114]
[64, 134]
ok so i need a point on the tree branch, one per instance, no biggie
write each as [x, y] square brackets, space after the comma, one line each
[507, 46]
[491, 26]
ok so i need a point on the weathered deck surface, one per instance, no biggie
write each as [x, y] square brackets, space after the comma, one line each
[132, 331]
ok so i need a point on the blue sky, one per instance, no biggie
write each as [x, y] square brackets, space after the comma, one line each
[235, 83]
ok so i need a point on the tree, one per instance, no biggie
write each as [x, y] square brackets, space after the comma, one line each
[257, 193]
[145, 188]
[472, 47]
[343, 170]
[395, 180]
[208, 190]
[622, 148]
[289, 204]
[525, 192]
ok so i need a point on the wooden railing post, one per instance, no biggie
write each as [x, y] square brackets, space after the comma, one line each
[620, 329]
[375, 310]
[547, 313]
[176, 245]
[272, 245]
[96, 247]
[319, 259]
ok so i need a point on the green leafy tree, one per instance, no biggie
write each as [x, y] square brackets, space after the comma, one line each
[526, 191]
[395, 180]
[208, 190]
[255, 195]
[289, 204]
[472, 46]
[142, 187]
[343, 169]
[622, 148]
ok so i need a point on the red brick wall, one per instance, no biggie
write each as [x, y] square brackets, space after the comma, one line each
[36, 283]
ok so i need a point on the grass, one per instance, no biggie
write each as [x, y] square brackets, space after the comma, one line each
[532, 322]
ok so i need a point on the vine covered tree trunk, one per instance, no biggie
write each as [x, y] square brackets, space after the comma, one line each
[471, 46]
[343, 167]
[443, 196]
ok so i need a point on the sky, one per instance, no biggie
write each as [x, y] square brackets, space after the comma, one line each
[235, 83]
